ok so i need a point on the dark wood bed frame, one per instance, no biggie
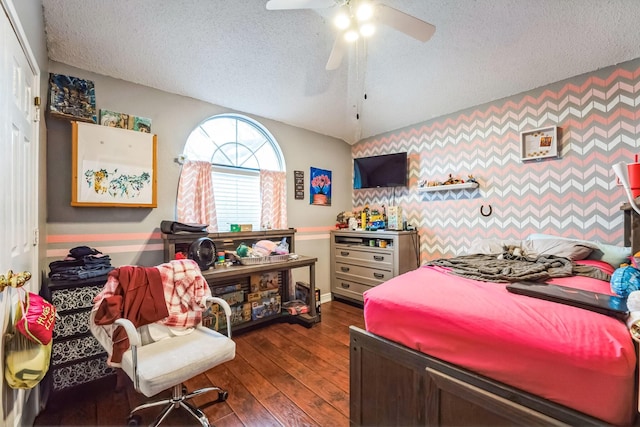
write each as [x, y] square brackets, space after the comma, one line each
[393, 385]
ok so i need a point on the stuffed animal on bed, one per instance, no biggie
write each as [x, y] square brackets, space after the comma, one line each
[625, 280]
[511, 252]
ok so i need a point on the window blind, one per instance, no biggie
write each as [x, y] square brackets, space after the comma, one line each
[237, 196]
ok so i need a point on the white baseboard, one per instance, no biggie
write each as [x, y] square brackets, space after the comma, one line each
[325, 298]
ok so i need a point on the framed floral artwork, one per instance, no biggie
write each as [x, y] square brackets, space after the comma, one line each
[320, 187]
[113, 167]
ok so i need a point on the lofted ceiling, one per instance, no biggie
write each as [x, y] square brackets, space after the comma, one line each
[237, 54]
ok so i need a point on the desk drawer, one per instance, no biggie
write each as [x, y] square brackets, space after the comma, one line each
[358, 272]
[375, 257]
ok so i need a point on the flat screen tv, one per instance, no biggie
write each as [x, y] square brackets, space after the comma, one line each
[388, 170]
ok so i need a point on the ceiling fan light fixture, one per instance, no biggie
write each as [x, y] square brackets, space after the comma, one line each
[367, 30]
[364, 11]
[342, 20]
[351, 35]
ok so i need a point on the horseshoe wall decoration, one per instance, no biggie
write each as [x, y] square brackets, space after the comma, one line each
[482, 210]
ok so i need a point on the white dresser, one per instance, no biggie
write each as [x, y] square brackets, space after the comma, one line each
[363, 259]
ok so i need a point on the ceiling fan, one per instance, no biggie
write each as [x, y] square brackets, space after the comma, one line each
[356, 18]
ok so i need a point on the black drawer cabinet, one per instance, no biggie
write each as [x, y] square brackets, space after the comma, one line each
[76, 356]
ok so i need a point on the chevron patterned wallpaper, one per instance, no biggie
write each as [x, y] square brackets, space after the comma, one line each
[598, 116]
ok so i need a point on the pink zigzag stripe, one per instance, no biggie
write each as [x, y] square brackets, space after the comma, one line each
[434, 133]
[597, 116]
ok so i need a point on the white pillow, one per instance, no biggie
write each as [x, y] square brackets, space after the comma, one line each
[611, 254]
[571, 249]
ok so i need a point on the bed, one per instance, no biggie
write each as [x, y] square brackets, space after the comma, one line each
[441, 349]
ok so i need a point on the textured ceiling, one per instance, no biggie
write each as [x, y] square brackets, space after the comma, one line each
[236, 54]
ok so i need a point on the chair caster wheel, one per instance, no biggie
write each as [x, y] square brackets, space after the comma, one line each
[222, 396]
[134, 420]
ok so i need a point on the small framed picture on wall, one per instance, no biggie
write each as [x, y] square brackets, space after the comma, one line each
[298, 182]
[539, 144]
[72, 98]
[320, 188]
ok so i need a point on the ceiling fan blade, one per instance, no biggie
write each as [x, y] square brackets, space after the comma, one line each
[299, 4]
[337, 53]
[410, 25]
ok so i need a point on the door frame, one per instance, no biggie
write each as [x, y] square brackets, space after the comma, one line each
[26, 404]
[18, 29]
[22, 37]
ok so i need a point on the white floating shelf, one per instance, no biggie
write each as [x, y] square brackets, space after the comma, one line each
[464, 186]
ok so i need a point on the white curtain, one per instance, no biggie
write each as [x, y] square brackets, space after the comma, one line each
[196, 204]
[273, 194]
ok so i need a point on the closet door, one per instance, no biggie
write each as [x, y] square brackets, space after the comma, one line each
[18, 190]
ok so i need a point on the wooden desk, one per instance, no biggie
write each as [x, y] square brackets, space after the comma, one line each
[241, 271]
[174, 243]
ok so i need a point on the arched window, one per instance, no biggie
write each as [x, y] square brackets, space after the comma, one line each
[238, 149]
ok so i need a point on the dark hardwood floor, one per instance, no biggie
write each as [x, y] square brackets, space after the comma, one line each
[283, 375]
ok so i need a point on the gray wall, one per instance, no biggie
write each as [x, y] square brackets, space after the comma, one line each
[32, 21]
[117, 230]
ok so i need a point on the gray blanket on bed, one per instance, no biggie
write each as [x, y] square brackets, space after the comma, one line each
[506, 268]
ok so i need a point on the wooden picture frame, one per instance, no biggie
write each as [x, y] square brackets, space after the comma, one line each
[539, 143]
[113, 167]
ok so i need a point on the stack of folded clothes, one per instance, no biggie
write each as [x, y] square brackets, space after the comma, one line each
[82, 263]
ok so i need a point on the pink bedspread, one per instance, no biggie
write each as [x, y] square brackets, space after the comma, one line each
[574, 357]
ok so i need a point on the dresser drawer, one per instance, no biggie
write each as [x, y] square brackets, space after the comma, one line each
[374, 257]
[358, 272]
[64, 351]
[71, 324]
[350, 289]
[80, 373]
[74, 298]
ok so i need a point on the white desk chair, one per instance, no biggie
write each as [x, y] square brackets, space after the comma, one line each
[157, 366]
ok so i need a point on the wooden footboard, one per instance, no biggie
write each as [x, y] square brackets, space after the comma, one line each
[393, 385]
